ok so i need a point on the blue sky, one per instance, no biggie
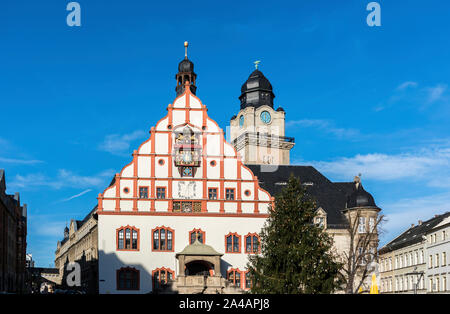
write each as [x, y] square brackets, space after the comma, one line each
[76, 101]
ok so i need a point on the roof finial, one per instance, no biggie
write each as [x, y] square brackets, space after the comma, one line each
[257, 62]
[186, 44]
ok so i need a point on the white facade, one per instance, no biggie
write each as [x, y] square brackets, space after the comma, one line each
[437, 273]
[218, 195]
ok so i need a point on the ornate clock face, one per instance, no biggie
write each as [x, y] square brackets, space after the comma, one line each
[241, 121]
[187, 157]
[265, 117]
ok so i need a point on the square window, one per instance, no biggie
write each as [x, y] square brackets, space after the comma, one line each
[143, 192]
[160, 193]
[229, 194]
[212, 193]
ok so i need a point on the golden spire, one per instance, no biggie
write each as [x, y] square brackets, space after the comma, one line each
[186, 44]
[257, 62]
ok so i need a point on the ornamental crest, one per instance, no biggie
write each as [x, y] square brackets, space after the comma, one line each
[187, 150]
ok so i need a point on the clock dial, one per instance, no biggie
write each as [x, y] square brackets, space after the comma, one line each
[241, 121]
[187, 157]
[265, 117]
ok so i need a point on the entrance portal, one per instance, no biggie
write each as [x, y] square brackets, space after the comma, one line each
[199, 268]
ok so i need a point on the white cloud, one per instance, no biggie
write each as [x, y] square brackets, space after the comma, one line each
[20, 161]
[325, 126]
[435, 93]
[117, 144]
[63, 179]
[76, 195]
[431, 165]
[402, 213]
[405, 85]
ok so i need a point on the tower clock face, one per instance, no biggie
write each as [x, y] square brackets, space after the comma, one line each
[241, 121]
[265, 117]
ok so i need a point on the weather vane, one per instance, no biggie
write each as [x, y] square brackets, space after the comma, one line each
[257, 62]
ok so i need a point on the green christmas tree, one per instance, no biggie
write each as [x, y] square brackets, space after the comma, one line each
[295, 253]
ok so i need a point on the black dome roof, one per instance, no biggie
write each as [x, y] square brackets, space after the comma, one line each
[256, 91]
[186, 65]
[256, 81]
[280, 109]
[360, 198]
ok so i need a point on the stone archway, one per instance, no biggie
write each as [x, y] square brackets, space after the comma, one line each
[199, 268]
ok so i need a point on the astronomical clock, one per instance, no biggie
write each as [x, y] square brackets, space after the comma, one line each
[187, 152]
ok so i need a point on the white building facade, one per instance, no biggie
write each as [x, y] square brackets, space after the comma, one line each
[438, 251]
[184, 182]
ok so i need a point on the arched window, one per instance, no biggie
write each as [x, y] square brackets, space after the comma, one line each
[232, 243]
[234, 275]
[161, 276]
[127, 279]
[193, 235]
[128, 238]
[252, 245]
[163, 239]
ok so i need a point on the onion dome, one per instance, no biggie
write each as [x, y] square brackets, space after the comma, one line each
[256, 91]
[186, 65]
[360, 197]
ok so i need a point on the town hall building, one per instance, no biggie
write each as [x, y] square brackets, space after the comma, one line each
[186, 212]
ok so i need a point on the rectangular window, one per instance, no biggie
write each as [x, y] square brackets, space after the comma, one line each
[362, 225]
[212, 193]
[437, 260]
[371, 224]
[444, 258]
[143, 192]
[161, 193]
[120, 244]
[229, 194]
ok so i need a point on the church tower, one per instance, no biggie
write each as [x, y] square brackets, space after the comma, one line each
[258, 130]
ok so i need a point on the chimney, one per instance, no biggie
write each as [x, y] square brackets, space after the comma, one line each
[420, 222]
[412, 225]
[436, 216]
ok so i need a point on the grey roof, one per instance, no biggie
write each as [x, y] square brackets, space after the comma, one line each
[413, 235]
[332, 197]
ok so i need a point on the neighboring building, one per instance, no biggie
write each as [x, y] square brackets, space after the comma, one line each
[43, 280]
[80, 245]
[403, 261]
[186, 181]
[13, 235]
[437, 272]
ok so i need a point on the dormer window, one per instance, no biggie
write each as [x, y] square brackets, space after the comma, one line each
[320, 221]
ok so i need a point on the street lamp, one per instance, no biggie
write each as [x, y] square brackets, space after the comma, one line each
[420, 274]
